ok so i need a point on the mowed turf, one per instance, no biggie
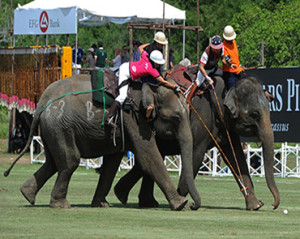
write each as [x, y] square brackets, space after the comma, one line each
[222, 214]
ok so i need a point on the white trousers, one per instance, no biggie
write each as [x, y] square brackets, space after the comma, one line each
[200, 78]
[124, 74]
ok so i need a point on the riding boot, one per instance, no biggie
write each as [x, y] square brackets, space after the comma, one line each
[192, 92]
[113, 110]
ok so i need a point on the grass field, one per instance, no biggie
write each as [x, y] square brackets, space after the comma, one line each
[222, 214]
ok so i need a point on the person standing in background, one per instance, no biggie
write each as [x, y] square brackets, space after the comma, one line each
[117, 60]
[136, 53]
[186, 61]
[100, 56]
[124, 55]
[171, 59]
[77, 55]
[90, 60]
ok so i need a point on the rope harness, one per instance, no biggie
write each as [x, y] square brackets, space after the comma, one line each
[239, 177]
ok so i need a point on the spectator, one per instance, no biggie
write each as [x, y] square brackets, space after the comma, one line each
[94, 46]
[124, 55]
[90, 60]
[100, 56]
[117, 60]
[19, 138]
[208, 64]
[171, 59]
[79, 54]
[231, 64]
[136, 53]
[186, 61]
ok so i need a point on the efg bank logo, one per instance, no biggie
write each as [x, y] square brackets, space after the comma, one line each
[44, 21]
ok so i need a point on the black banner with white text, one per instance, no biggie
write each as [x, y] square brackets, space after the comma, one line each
[284, 85]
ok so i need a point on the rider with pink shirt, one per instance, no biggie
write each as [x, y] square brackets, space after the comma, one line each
[146, 66]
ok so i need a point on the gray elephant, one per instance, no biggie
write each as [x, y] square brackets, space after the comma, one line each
[71, 128]
[245, 111]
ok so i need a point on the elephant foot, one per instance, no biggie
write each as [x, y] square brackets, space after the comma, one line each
[254, 205]
[178, 204]
[62, 203]
[148, 202]
[29, 190]
[121, 194]
[102, 203]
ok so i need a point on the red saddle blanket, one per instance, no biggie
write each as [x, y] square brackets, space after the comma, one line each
[184, 76]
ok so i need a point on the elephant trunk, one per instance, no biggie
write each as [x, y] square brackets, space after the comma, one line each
[267, 138]
[186, 147]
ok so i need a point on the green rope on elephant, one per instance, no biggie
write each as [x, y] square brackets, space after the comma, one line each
[76, 93]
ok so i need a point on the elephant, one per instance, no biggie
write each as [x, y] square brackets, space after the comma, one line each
[70, 128]
[244, 112]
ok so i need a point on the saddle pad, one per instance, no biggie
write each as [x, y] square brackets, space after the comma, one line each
[104, 79]
[178, 76]
[107, 79]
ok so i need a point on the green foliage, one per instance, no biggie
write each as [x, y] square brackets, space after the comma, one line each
[4, 122]
[275, 21]
[222, 214]
[279, 29]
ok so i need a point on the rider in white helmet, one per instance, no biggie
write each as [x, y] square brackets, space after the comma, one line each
[146, 66]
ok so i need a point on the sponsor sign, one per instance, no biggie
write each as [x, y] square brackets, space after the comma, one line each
[42, 22]
[284, 85]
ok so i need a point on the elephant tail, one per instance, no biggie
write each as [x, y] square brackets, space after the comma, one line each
[34, 125]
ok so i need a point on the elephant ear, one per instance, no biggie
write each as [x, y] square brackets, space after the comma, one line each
[148, 97]
[229, 102]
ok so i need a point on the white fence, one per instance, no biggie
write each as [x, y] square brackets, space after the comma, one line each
[287, 161]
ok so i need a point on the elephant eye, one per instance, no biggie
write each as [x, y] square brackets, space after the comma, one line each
[254, 115]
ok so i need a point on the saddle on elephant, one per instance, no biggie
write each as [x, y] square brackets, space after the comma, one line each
[185, 76]
[106, 80]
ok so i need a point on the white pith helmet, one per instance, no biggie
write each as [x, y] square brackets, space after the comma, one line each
[160, 37]
[229, 33]
[157, 57]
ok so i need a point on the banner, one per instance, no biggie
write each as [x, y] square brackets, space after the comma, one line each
[284, 85]
[42, 22]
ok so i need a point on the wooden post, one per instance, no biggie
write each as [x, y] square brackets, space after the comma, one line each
[46, 40]
[262, 54]
[37, 40]
[11, 23]
[131, 43]
[164, 15]
[68, 40]
[198, 23]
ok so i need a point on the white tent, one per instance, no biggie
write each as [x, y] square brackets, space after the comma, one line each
[98, 12]
[41, 17]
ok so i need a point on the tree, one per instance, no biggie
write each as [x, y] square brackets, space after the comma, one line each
[278, 27]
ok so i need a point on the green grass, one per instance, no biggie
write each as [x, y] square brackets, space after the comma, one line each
[222, 214]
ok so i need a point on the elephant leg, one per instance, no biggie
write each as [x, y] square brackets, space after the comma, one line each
[150, 160]
[198, 155]
[126, 183]
[252, 203]
[67, 158]
[146, 195]
[31, 187]
[108, 172]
